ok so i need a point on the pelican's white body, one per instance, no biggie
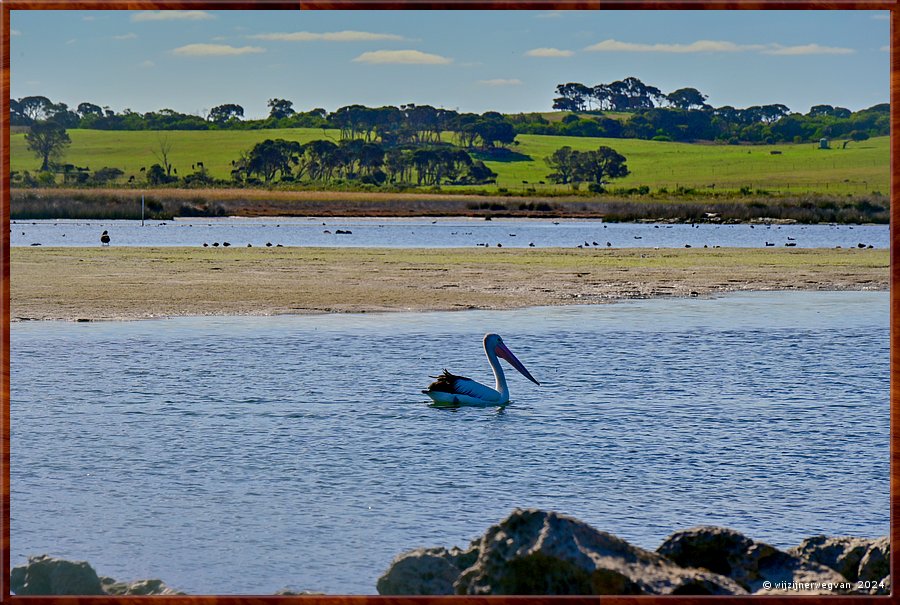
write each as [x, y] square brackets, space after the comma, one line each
[471, 392]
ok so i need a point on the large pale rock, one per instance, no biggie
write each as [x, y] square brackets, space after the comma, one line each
[543, 553]
[750, 564]
[845, 555]
[45, 575]
[425, 571]
[841, 554]
[138, 587]
[875, 566]
[293, 592]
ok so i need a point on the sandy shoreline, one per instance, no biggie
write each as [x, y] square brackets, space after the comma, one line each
[141, 283]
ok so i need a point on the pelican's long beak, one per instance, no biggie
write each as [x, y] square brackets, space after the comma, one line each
[506, 354]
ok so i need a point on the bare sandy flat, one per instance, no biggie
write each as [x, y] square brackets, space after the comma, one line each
[139, 283]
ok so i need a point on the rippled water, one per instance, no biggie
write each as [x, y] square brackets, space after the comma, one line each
[440, 233]
[241, 455]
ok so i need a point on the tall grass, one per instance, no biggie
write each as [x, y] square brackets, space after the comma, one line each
[164, 204]
[84, 206]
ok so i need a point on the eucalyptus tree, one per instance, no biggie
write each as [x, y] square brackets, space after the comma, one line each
[280, 108]
[271, 157]
[687, 98]
[560, 161]
[222, 113]
[48, 141]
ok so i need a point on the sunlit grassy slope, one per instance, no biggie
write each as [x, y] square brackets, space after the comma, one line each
[799, 168]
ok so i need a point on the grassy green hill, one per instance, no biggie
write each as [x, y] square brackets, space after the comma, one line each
[799, 168]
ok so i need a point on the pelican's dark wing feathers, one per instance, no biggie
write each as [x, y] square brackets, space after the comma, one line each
[450, 383]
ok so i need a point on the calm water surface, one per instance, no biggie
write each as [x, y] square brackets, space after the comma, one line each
[439, 233]
[242, 455]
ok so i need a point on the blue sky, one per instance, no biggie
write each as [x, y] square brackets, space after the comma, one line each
[506, 61]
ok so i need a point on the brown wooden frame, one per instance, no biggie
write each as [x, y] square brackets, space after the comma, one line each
[8, 5]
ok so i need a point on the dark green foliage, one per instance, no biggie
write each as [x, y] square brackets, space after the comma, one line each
[156, 175]
[687, 98]
[106, 175]
[47, 140]
[280, 108]
[270, 157]
[593, 167]
[681, 115]
[223, 113]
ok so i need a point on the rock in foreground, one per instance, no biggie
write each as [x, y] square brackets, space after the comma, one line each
[46, 575]
[538, 552]
[751, 564]
[534, 552]
[858, 559]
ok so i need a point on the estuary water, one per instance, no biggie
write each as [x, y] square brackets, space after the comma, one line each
[440, 233]
[243, 455]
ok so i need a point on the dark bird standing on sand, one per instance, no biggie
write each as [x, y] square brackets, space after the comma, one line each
[104, 239]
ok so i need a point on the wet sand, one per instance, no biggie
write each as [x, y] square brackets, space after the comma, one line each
[140, 283]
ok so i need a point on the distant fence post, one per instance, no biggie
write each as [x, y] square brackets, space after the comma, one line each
[142, 210]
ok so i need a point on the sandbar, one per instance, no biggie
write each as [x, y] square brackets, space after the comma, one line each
[95, 284]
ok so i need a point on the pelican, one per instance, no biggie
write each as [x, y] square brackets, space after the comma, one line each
[450, 389]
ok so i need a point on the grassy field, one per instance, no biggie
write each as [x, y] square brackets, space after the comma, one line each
[800, 168]
[557, 116]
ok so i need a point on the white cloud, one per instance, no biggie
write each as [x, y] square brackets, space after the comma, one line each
[548, 52]
[72, 41]
[501, 82]
[700, 46]
[89, 18]
[342, 36]
[15, 32]
[808, 49]
[718, 46]
[881, 17]
[147, 64]
[172, 16]
[886, 49]
[129, 36]
[405, 57]
[552, 15]
[215, 50]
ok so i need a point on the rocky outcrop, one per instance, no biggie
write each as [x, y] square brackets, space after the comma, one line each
[138, 587]
[841, 554]
[426, 571]
[865, 562]
[538, 552]
[876, 563]
[46, 575]
[756, 566]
